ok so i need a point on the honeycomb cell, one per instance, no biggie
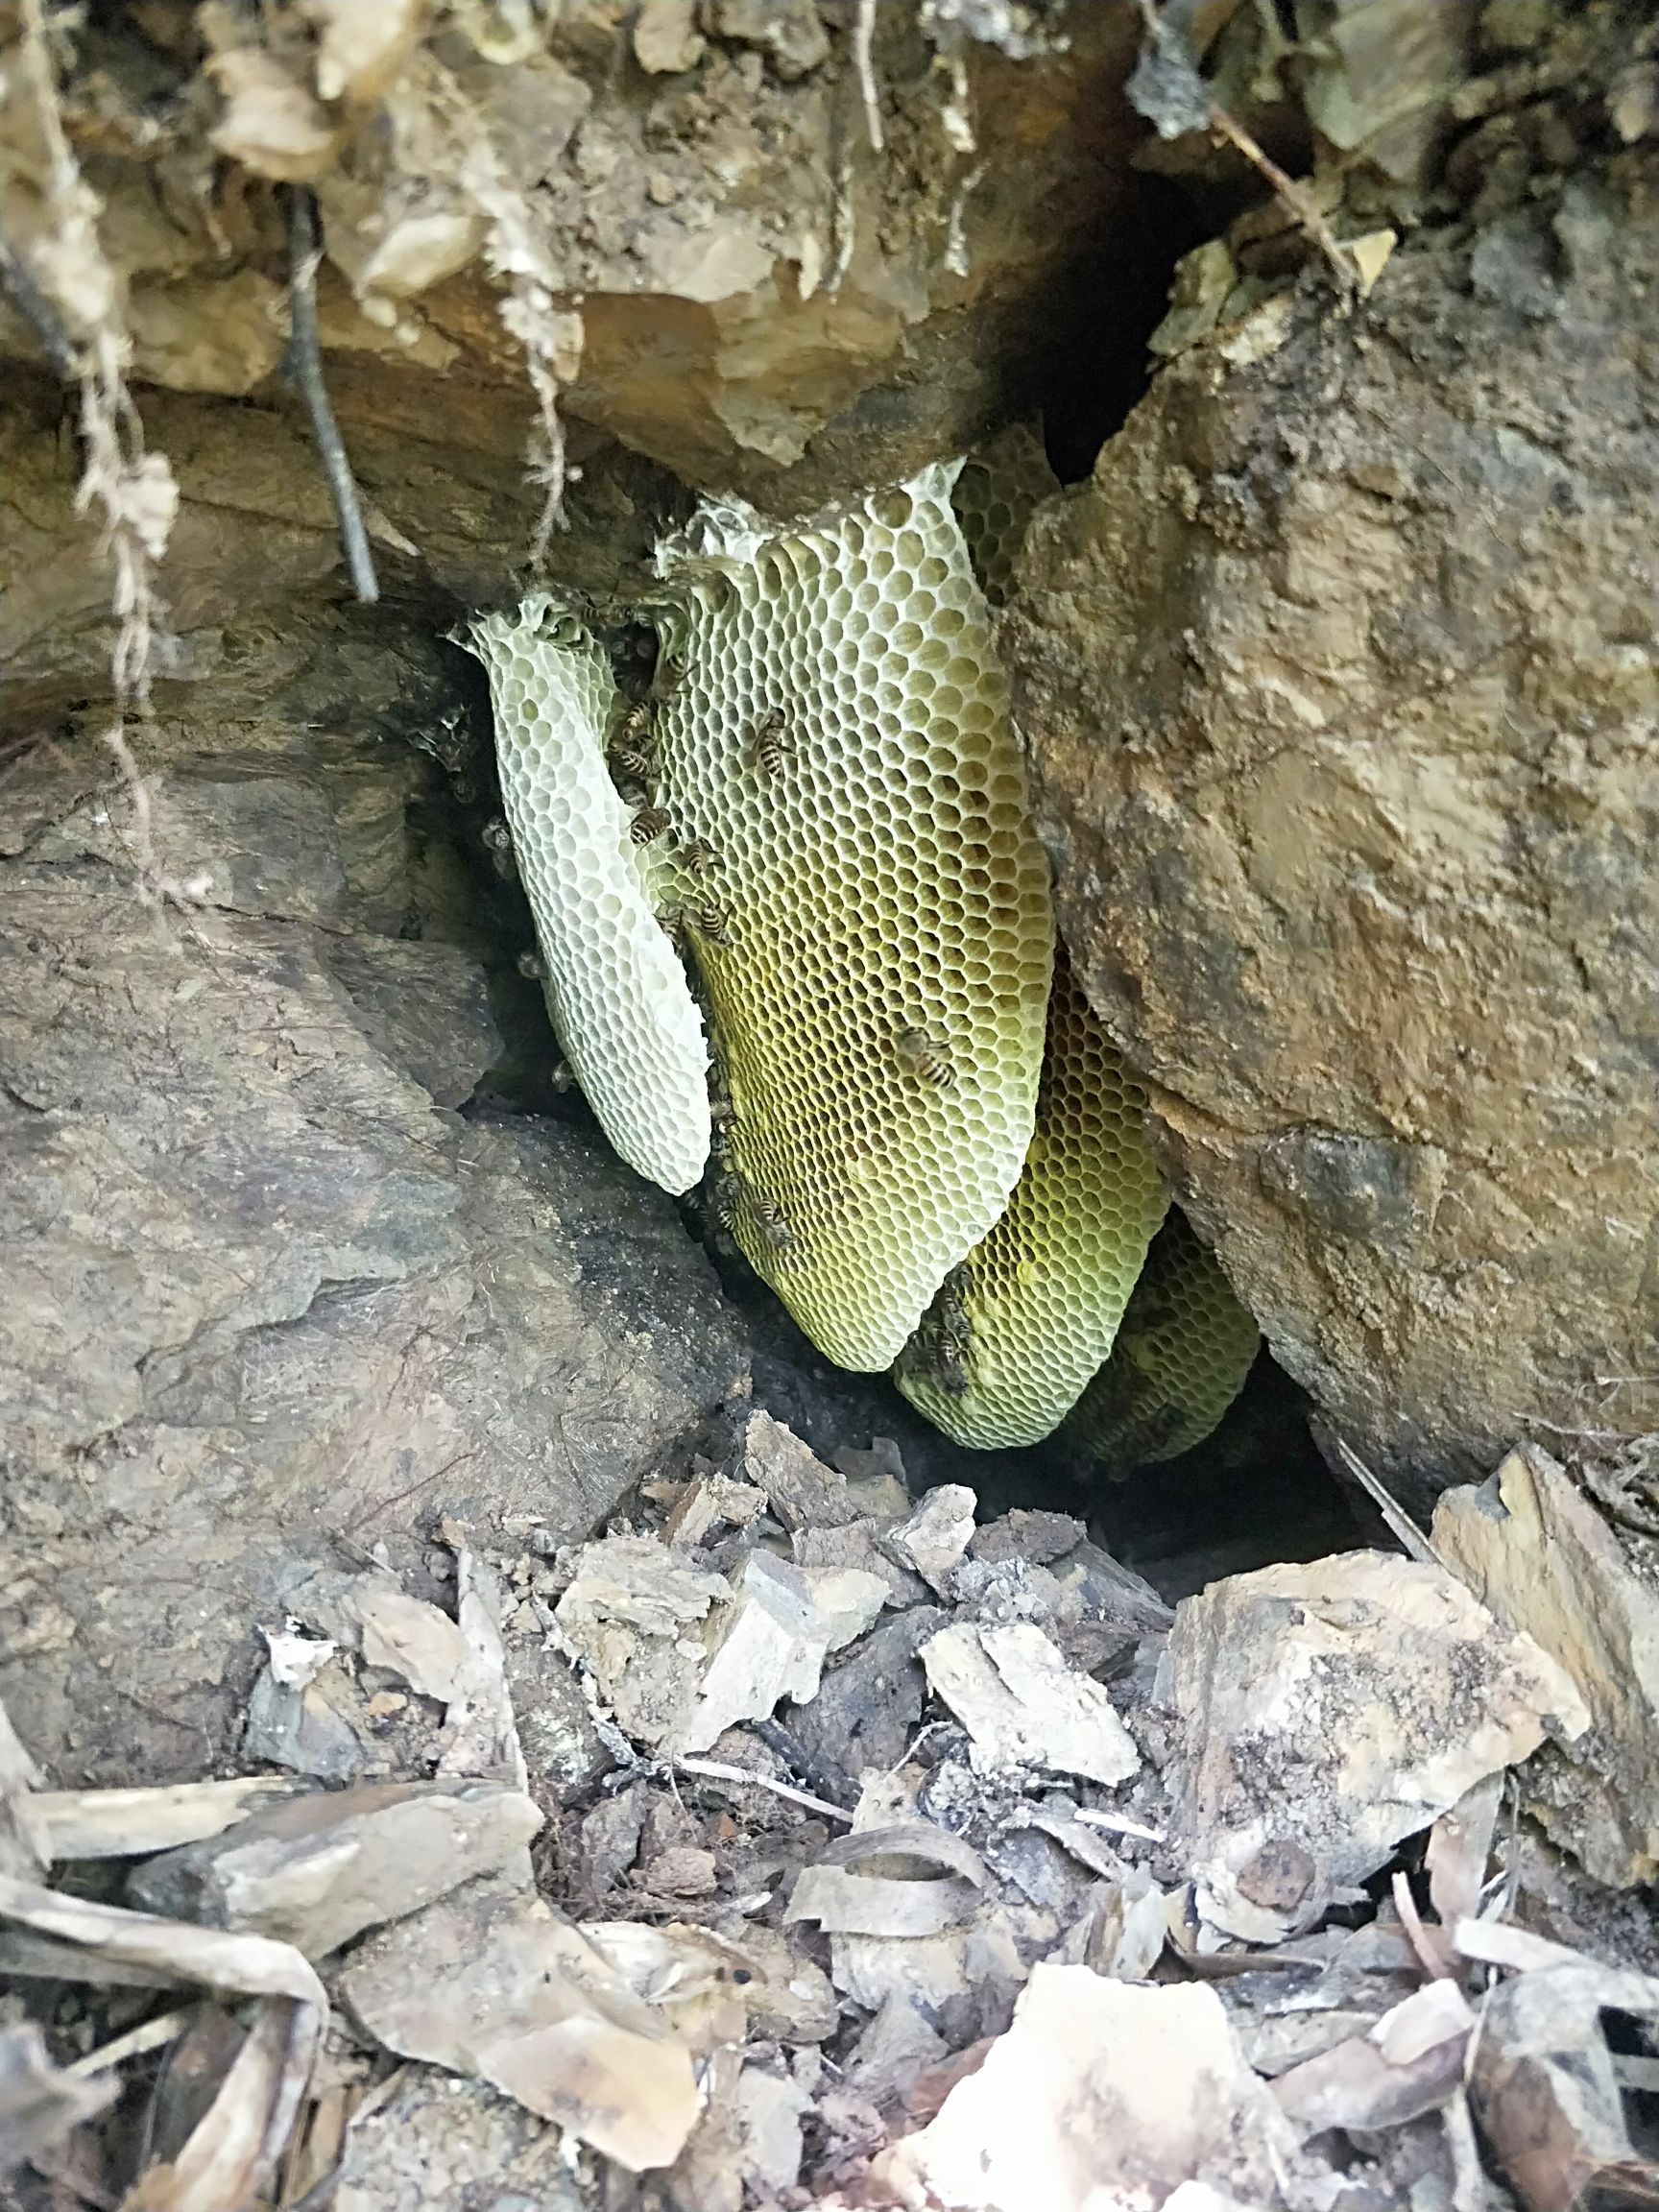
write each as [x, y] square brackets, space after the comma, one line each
[1185, 1344]
[615, 990]
[1000, 485]
[881, 1158]
[1014, 1335]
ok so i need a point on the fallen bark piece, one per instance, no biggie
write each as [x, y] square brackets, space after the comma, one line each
[932, 1543]
[492, 1982]
[867, 1710]
[633, 1610]
[226, 2157]
[1499, 1943]
[849, 1602]
[1121, 1931]
[409, 1637]
[875, 1480]
[769, 2109]
[38, 2103]
[887, 1898]
[297, 1657]
[1533, 1548]
[1100, 2093]
[1039, 1537]
[700, 1983]
[843, 1903]
[128, 1823]
[858, 1544]
[307, 1730]
[480, 1735]
[1324, 1710]
[711, 1502]
[801, 1490]
[248, 2122]
[1023, 1707]
[1411, 2061]
[1459, 1846]
[896, 2047]
[931, 1971]
[773, 1647]
[1547, 2087]
[318, 1872]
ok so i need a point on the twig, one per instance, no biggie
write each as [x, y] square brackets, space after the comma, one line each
[863, 34]
[794, 1754]
[1400, 1526]
[148, 2035]
[1433, 1952]
[1119, 1824]
[1300, 205]
[719, 1771]
[305, 365]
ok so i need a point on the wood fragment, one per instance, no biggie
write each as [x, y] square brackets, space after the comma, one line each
[1349, 278]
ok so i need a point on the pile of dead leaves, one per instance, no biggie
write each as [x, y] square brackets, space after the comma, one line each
[865, 1856]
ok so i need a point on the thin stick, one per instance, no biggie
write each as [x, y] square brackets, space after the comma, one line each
[148, 2035]
[1291, 193]
[1400, 1526]
[305, 361]
[721, 1773]
[1119, 1824]
[1428, 1943]
[863, 32]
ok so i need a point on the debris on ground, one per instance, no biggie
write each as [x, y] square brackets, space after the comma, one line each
[1325, 1712]
[908, 1863]
[1533, 1548]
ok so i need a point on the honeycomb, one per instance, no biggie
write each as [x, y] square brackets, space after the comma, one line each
[1013, 1336]
[1184, 1347]
[1002, 482]
[615, 990]
[873, 924]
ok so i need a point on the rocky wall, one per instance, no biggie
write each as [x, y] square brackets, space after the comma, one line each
[1339, 677]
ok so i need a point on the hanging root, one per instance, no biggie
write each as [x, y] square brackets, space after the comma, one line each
[68, 291]
[305, 362]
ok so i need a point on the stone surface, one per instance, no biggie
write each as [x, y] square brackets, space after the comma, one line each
[1533, 1548]
[758, 283]
[1321, 1713]
[1339, 682]
[263, 1303]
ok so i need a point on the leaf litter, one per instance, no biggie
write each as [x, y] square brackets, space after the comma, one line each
[908, 1863]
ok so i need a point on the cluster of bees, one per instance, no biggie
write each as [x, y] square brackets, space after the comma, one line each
[943, 1339]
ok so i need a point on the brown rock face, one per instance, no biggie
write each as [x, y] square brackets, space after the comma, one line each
[1339, 678]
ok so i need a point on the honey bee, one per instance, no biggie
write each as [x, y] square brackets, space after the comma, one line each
[945, 1360]
[769, 742]
[696, 858]
[951, 1306]
[672, 670]
[775, 1231]
[648, 824]
[921, 1053]
[499, 844]
[711, 921]
[632, 751]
